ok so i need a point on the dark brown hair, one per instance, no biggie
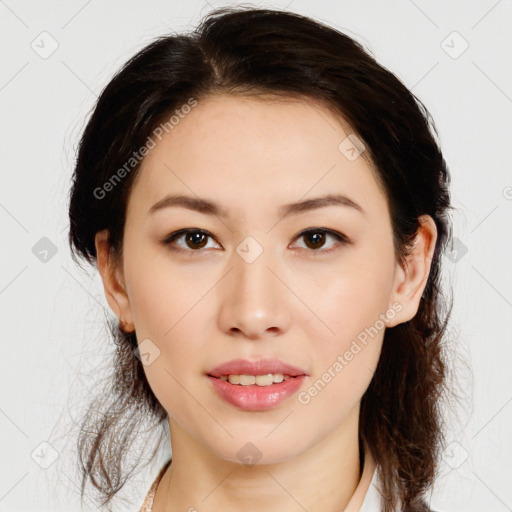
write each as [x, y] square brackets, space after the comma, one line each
[257, 52]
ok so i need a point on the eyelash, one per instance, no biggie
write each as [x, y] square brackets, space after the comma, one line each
[342, 239]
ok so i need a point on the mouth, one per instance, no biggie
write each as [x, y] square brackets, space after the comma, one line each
[262, 368]
[256, 385]
[267, 379]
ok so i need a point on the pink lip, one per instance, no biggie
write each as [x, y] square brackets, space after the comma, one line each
[256, 398]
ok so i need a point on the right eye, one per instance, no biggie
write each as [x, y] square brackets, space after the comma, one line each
[194, 238]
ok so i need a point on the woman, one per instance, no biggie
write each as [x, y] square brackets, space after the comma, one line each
[267, 207]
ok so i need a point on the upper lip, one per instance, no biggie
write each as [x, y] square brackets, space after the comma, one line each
[259, 367]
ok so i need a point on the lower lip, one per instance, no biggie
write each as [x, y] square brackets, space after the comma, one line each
[254, 397]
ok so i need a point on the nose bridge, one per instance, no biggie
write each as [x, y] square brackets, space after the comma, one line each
[251, 263]
[254, 301]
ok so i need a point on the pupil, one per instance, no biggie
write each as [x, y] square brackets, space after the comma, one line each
[318, 239]
[196, 239]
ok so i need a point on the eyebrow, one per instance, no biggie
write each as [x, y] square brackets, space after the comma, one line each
[211, 208]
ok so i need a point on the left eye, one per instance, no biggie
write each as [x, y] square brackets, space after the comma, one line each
[316, 238]
[196, 239]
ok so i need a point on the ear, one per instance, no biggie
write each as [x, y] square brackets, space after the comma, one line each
[113, 281]
[411, 277]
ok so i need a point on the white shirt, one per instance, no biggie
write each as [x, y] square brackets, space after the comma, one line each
[366, 497]
[372, 499]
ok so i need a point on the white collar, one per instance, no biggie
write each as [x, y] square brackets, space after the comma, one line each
[372, 498]
[366, 497]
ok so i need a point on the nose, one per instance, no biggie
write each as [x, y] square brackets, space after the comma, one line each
[254, 301]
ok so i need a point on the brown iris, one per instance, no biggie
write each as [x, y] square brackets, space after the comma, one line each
[198, 240]
[317, 237]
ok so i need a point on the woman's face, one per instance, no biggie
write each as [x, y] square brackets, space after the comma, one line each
[253, 287]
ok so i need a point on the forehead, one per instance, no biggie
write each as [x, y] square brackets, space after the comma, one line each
[257, 150]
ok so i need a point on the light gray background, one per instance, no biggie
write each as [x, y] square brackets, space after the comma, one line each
[52, 313]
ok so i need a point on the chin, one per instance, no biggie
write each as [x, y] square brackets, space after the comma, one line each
[260, 448]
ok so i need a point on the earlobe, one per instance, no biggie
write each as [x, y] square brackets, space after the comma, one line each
[113, 282]
[411, 276]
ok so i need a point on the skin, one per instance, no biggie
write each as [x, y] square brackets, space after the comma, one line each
[299, 304]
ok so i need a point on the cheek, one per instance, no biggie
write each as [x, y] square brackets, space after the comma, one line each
[174, 374]
[161, 296]
[354, 306]
[345, 359]
[348, 356]
[355, 300]
[171, 314]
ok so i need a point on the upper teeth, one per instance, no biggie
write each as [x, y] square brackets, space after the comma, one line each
[259, 380]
